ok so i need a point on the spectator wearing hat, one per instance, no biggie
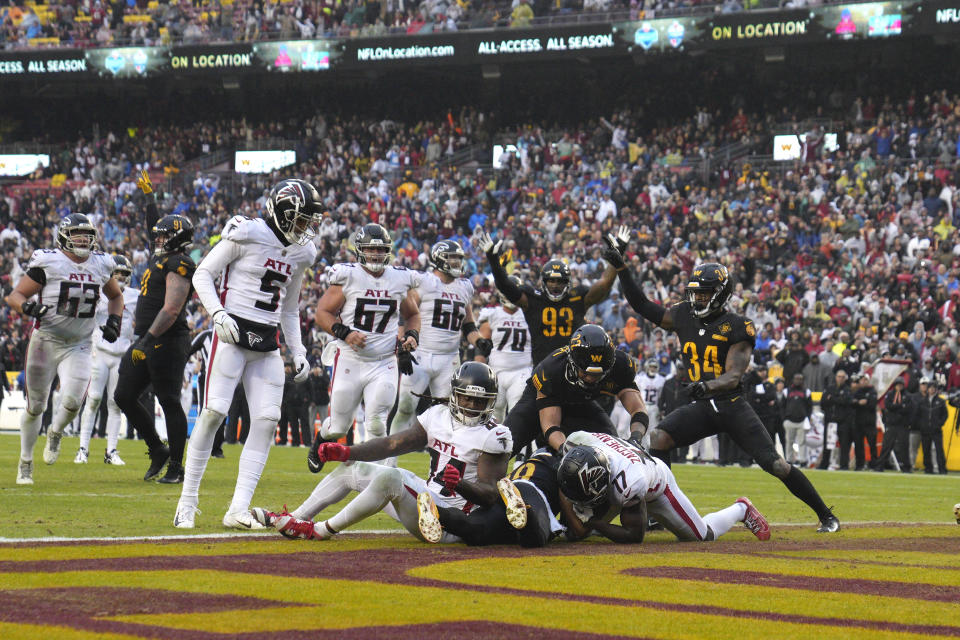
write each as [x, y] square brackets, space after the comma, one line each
[896, 420]
[930, 412]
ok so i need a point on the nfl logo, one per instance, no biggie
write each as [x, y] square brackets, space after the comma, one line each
[675, 34]
[646, 36]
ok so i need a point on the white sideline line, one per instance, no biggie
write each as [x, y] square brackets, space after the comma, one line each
[196, 536]
[258, 536]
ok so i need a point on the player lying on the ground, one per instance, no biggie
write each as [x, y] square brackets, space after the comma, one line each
[606, 476]
[526, 515]
[468, 454]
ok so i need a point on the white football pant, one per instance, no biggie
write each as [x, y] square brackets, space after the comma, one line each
[106, 372]
[510, 385]
[677, 514]
[374, 382]
[48, 357]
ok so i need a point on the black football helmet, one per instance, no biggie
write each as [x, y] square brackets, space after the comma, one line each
[584, 475]
[555, 279]
[296, 209]
[447, 257]
[473, 393]
[591, 356]
[503, 299]
[367, 242]
[172, 233]
[123, 270]
[77, 235]
[709, 289]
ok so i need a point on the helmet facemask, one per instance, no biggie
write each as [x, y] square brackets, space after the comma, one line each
[451, 263]
[80, 242]
[704, 301]
[472, 405]
[373, 257]
[555, 288]
[122, 276]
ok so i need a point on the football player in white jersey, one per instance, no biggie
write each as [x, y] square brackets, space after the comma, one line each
[360, 308]
[444, 299]
[260, 263]
[604, 476]
[68, 280]
[106, 364]
[468, 455]
[511, 356]
[650, 383]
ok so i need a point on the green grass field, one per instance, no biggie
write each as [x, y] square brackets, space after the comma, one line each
[893, 571]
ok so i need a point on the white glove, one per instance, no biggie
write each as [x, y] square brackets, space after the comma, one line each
[226, 327]
[302, 367]
[488, 245]
[622, 240]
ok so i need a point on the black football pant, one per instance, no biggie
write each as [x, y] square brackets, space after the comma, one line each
[524, 420]
[163, 368]
[934, 438]
[896, 440]
[868, 433]
[296, 417]
[846, 435]
[735, 417]
[488, 525]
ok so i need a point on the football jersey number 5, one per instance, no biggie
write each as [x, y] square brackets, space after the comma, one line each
[77, 302]
[366, 313]
[270, 283]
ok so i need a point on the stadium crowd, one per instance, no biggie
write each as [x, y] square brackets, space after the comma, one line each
[99, 23]
[851, 253]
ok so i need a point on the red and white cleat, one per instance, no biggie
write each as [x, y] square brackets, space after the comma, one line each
[755, 521]
[294, 528]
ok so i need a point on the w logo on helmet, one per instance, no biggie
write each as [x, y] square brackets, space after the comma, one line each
[596, 357]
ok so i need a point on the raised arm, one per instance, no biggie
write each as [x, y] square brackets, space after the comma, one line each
[152, 213]
[601, 288]
[634, 295]
[510, 291]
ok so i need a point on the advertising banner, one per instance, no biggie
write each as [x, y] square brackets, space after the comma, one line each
[667, 34]
[215, 58]
[296, 55]
[60, 63]
[128, 62]
[21, 164]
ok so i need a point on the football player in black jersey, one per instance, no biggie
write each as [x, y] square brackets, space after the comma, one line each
[159, 355]
[555, 310]
[561, 395]
[717, 346]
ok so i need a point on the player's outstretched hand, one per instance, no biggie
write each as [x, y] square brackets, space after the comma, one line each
[111, 330]
[143, 181]
[302, 367]
[451, 478]
[34, 309]
[226, 327]
[622, 238]
[489, 246]
[333, 452]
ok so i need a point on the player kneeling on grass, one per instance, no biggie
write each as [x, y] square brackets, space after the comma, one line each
[468, 455]
[605, 476]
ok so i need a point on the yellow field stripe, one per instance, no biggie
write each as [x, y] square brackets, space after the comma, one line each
[920, 558]
[346, 604]
[607, 580]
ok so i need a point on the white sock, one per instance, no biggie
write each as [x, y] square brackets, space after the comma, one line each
[334, 487]
[198, 453]
[87, 421]
[113, 424]
[723, 520]
[29, 432]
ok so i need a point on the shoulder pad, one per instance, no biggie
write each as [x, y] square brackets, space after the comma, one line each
[237, 229]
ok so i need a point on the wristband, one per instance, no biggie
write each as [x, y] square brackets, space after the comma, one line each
[551, 430]
[340, 330]
[468, 328]
[412, 333]
[642, 418]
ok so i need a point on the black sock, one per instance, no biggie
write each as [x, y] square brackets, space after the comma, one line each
[663, 454]
[801, 487]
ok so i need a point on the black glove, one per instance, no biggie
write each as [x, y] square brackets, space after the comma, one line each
[111, 330]
[635, 438]
[484, 346]
[34, 308]
[697, 390]
[143, 347]
[405, 362]
[612, 253]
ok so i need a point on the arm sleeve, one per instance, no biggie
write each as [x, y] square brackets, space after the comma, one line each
[152, 215]
[222, 254]
[640, 303]
[290, 316]
[504, 286]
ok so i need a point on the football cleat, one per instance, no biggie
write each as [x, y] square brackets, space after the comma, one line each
[25, 472]
[241, 520]
[186, 513]
[82, 456]
[516, 508]
[313, 457]
[158, 458]
[830, 524]
[289, 526]
[264, 517]
[174, 474]
[112, 457]
[51, 450]
[429, 518]
[956, 512]
[754, 520]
